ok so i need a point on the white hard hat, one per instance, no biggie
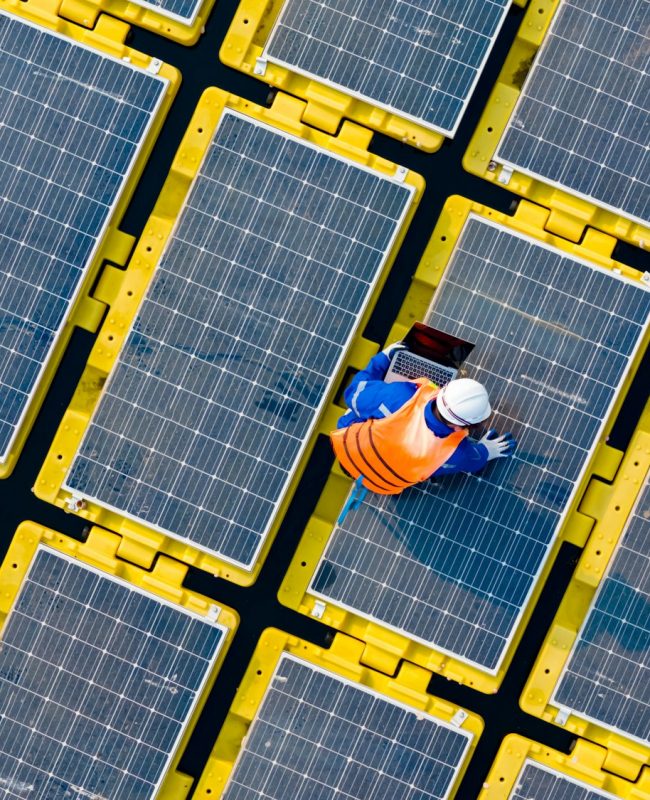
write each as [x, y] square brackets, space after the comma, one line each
[463, 402]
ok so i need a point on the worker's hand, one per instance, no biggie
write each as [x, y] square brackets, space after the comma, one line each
[393, 348]
[498, 446]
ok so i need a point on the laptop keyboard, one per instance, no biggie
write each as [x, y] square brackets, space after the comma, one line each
[412, 367]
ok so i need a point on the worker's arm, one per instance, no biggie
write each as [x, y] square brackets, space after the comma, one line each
[469, 456]
[472, 455]
[368, 397]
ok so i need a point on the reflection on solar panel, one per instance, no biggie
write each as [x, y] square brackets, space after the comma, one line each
[452, 563]
[317, 736]
[582, 119]
[607, 676]
[98, 681]
[419, 59]
[184, 11]
[536, 781]
[71, 123]
[239, 338]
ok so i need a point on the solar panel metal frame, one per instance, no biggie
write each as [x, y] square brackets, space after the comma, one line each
[611, 507]
[532, 174]
[170, 15]
[448, 132]
[328, 105]
[76, 314]
[407, 689]
[582, 768]
[570, 504]
[30, 539]
[570, 214]
[296, 591]
[50, 484]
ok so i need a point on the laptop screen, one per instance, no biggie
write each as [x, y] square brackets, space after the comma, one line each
[437, 346]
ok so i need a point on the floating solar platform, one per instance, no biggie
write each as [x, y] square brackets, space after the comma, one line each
[525, 770]
[405, 69]
[593, 673]
[310, 723]
[65, 178]
[103, 669]
[447, 573]
[574, 136]
[221, 370]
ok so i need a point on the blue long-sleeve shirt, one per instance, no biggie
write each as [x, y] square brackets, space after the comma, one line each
[368, 397]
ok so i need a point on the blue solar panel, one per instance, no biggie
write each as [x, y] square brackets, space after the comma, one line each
[453, 563]
[607, 676]
[232, 353]
[420, 59]
[317, 736]
[71, 124]
[582, 119]
[536, 781]
[98, 680]
[184, 11]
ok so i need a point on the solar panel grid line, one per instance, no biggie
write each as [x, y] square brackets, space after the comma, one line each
[397, 35]
[48, 193]
[605, 677]
[321, 733]
[386, 591]
[579, 122]
[229, 238]
[71, 717]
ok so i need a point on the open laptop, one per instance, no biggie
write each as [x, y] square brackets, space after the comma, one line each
[430, 354]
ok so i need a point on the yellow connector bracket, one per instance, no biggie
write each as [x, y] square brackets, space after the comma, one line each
[569, 215]
[524, 768]
[164, 582]
[341, 662]
[243, 49]
[610, 505]
[87, 311]
[386, 647]
[139, 542]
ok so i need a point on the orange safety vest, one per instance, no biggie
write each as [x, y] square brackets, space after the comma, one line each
[398, 451]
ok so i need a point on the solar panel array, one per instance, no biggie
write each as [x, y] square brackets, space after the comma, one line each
[607, 676]
[536, 782]
[317, 736]
[97, 683]
[71, 123]
[582, 119]
[420, 59]
[236, 345]
[451, 563]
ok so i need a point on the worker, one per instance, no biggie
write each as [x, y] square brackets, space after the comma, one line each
[395, 435]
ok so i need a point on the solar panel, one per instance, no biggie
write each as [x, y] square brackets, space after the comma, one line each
[72, 121]
[184, 11]
[317, 736]
[419, 59]
[452, 563]
[98, 680]
[536, 781]
[581, 121]
[241, 334]
[607, 676]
